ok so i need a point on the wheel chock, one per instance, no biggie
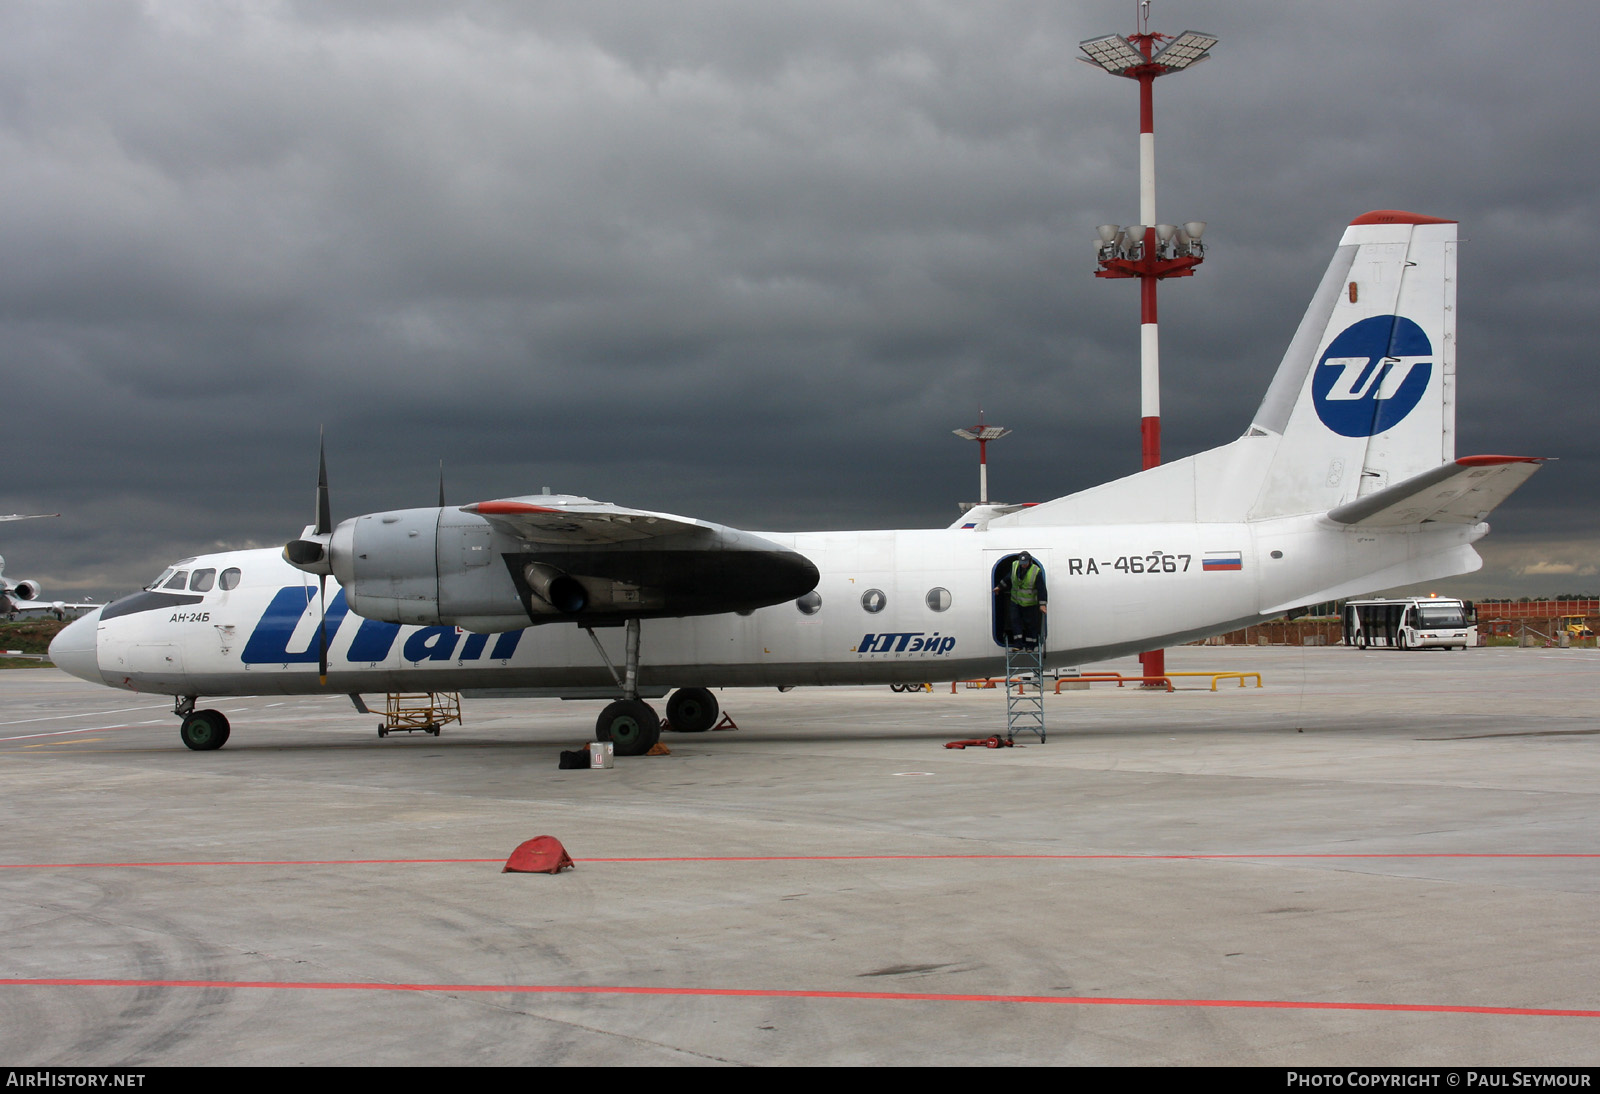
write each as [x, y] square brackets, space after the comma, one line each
[540, 855]
[983, 742]
[659, 749]
[726, 723]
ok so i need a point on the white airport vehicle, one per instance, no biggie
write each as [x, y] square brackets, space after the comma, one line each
[1345, 481]
[1410, 623]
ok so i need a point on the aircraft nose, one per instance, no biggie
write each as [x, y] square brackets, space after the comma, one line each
[73, 649]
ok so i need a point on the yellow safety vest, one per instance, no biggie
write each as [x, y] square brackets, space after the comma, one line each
[1022, 591]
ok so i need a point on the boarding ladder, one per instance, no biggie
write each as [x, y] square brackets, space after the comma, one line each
[1025, 691]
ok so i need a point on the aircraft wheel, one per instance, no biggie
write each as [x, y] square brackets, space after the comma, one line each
[692, 710]
[204, 730]
[630, 725]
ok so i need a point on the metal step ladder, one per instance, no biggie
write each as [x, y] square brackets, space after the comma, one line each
[1025, 691]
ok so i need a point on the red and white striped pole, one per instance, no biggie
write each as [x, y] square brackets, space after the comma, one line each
[1149, 339]
[1167, 252]
[1154, 662]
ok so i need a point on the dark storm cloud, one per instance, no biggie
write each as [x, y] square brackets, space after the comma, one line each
[749, 262]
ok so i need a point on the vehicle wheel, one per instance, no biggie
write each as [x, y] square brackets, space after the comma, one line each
[692, 710]
[630, 725]
[1400, 641]
[383, 731]
[204, 730]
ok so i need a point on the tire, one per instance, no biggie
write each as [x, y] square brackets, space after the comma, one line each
[204, 730]
[1401, 643]
[630, 725]
[692, 710]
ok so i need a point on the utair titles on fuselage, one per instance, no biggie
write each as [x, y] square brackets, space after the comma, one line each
[1346, 481]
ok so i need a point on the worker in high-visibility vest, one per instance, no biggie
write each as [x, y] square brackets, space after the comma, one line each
[1026, 596]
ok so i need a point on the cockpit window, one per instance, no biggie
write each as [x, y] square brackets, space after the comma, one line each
[178, 580]
[202, 581]
[158, 582]
[229, 579]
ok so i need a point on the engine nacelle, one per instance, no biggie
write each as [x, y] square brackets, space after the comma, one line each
[432, 567]
[427, 567]
[24, 590]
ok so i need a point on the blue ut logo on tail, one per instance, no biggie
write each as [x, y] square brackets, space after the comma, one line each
[1372, 375]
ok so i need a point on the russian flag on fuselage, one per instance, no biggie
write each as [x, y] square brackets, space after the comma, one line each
[1222, 560]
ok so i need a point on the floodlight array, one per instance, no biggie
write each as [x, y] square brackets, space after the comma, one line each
[1184, 50]
[1113, 52]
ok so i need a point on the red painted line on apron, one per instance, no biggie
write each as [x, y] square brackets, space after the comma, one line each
[1239, 856]
[778, 993]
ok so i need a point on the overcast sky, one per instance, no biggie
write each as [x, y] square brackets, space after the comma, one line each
[749, 262]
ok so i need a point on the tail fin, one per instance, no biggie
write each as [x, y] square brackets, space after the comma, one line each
[1365, 395]
[1363, 400]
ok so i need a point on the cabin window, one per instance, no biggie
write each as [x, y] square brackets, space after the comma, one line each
[202, 581]
[873, 601]
[229, 578]
[810, 604]
[938, 599]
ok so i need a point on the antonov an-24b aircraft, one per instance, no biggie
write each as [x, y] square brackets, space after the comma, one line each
[1347, 481]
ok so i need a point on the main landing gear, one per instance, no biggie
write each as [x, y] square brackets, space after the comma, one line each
[629, 723]
[201, 730]
[692, 710]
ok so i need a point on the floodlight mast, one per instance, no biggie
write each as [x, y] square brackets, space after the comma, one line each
[983, 434]
[1148, 250]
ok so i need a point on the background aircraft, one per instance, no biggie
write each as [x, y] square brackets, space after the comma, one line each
[19, 597]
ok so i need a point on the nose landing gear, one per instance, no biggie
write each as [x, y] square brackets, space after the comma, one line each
[201, 730]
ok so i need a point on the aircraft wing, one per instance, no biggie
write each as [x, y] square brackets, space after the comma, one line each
[565, 521]
[19, 606]
[1463, 492]
[27, 516]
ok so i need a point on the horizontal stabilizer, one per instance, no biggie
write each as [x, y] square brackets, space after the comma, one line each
[1461, 492]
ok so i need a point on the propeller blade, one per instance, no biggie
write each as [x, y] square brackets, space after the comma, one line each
[441, 484]
[324, 509]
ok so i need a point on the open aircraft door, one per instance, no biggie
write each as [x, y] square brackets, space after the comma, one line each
[999, 567]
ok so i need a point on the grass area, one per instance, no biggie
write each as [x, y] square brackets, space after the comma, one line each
[29, 636]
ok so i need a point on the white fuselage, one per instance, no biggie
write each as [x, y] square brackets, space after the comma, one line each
[1112, 590]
